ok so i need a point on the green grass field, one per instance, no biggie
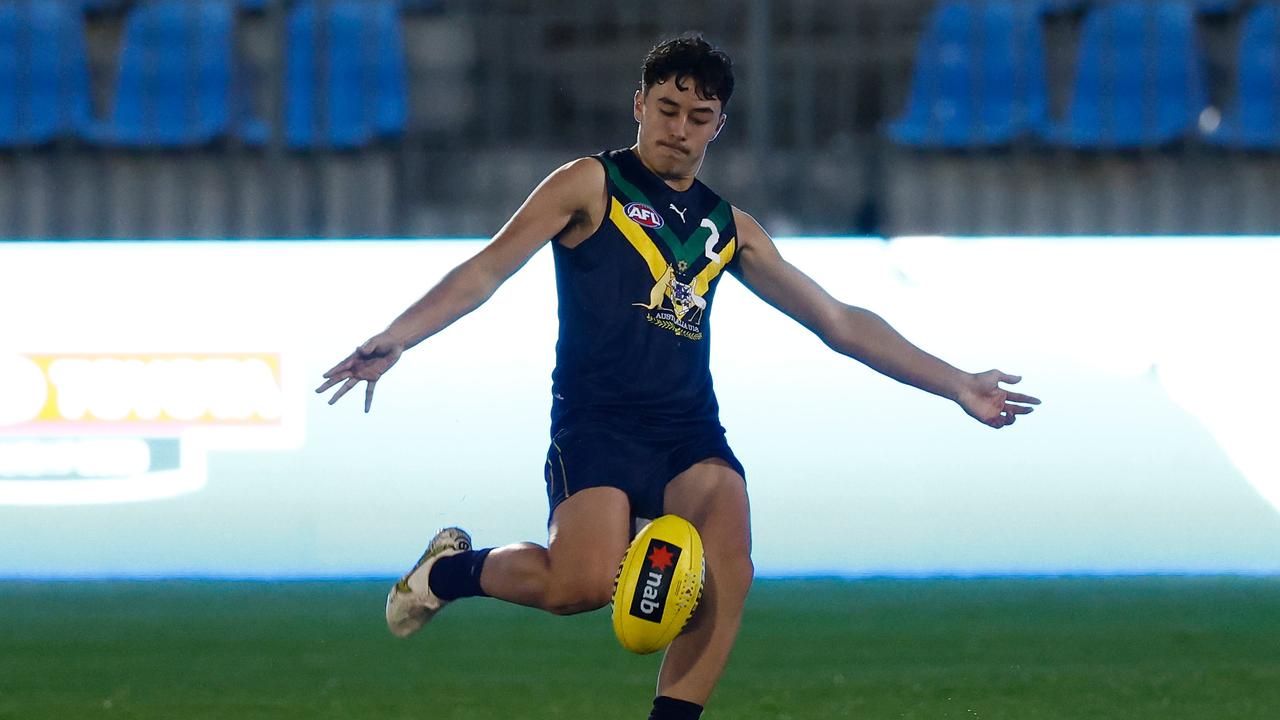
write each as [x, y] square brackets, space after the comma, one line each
[1024, 649]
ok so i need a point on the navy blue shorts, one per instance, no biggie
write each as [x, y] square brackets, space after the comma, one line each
[639, 464]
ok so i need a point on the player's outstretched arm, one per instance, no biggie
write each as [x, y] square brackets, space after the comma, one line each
[865, 336]
[557, 202]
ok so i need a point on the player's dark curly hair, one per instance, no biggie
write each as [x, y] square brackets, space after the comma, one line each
[690, 57]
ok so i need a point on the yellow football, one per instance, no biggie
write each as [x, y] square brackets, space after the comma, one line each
[659, 584]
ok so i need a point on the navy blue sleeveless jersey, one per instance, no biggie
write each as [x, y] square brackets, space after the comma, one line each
[635, 305]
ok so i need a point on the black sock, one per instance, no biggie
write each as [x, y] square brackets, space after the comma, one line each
[458, 576]
[665, 708]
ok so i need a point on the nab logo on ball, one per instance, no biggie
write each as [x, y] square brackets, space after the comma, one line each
[659, 584]
[655, 576]
[644, 215]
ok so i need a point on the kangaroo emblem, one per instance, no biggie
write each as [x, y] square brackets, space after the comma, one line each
[659, 290]
[683, 297]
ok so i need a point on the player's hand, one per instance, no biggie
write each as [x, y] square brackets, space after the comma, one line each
[367, 363]
[988, 403]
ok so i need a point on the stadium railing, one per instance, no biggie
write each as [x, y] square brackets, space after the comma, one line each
[501, 92]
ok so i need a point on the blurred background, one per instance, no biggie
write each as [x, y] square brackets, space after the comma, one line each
[376, 118]
[1079, 192]
[205, 204]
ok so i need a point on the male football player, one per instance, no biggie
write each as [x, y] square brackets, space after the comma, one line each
[640, 245]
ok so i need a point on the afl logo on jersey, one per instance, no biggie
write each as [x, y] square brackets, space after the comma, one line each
[644, 215]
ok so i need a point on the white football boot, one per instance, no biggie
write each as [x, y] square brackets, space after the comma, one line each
[410, 604]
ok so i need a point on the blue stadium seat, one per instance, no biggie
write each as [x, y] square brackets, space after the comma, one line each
[979, 77]
[44, 78]
[421, 5]
[261, 5]
[1139, 78]
[356, 92]
[253, 6]
[1207, 7]
[1049, 7]
[1254, 122]
[175, 85]
[103, 5]
[1217, 7]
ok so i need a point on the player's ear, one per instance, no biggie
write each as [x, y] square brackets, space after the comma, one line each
[637, 109]
[720, 125]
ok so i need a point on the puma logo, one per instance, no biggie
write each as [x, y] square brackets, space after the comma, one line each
[679, 211]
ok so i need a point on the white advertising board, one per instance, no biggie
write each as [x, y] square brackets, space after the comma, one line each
[156, 413]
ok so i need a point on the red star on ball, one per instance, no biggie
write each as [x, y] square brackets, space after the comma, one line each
[660, 558]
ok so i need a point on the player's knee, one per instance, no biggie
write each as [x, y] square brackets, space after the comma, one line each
[730, 556]
[734, 575]
[742, 571]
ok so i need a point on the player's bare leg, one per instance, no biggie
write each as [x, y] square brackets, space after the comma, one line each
[712, 496]
[589, 534]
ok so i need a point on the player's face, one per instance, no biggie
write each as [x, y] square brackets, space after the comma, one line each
[675, 127]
